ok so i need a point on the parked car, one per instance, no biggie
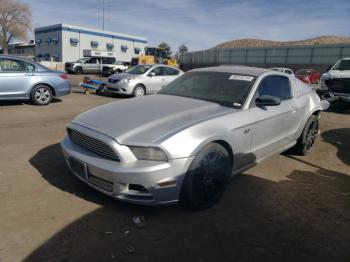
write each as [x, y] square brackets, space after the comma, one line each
[283, 70]
[117, 67]
[309, 76]
[93, 65]
[335, 84]
[185, 142]
[142, 79]
[22, 79]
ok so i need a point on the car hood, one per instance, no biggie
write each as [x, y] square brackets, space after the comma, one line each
[147, 120]
[336, 74]
[123, 76]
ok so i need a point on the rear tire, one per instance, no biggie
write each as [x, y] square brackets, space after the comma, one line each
[206, 178]
[308, 137]
[139, 90]
[41, 95]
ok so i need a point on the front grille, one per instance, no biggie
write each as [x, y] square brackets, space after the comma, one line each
[113, 81]
[105, 185]
[339, 85]
[92, 144]
[112, 89]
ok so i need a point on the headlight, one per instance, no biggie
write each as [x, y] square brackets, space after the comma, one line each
[126, 80]
[148, 153]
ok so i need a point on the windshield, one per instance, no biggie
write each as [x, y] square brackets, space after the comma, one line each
[81, 60]
[138, 70]
[342, 65]
[226, 89]
[303, 72]
[277, 69]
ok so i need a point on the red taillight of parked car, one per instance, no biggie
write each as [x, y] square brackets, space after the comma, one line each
[64, 77]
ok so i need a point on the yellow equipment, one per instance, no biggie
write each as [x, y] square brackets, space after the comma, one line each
[154, 55]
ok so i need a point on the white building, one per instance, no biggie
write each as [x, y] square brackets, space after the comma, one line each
[65, 43]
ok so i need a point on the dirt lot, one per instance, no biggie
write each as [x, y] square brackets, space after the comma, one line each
[286, 209]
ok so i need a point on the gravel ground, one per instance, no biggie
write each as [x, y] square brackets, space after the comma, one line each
[286, 209]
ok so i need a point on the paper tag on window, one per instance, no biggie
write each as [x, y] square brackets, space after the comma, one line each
[241, 78]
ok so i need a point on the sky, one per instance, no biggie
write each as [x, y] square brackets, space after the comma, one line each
[201, 24]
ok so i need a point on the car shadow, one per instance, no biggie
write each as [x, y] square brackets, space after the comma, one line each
[25, 102]
[12, 103]
[303, 218]
[339, 108]
[340, 138]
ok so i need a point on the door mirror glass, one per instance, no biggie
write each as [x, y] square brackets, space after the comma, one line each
[151, 74]
[267, 100]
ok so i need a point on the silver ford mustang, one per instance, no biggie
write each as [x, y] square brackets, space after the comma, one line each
[185, 142]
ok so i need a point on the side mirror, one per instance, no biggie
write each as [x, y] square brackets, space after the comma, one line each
[151, 74]
[267, 101]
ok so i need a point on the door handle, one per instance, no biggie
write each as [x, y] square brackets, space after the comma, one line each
[163, 79]
[30, 74]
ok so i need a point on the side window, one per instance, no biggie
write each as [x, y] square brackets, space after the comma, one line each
[108, 60]
[92, 61]
[278, 86]
[171, 71]
[158, 71]
[11, 65]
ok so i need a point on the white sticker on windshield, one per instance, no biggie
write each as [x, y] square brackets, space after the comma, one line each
[242, 78]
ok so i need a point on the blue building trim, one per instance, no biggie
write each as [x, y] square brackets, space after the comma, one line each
[87, 32]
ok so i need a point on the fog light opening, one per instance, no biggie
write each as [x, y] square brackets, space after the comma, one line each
[136, 187]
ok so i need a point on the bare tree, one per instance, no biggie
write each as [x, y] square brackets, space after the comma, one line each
[15, 22]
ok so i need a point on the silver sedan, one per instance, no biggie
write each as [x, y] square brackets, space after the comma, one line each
[22, 79]
[184, 143]
[142, 79]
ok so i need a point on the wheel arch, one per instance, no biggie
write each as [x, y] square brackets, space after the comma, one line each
[141, 84]
[44, 84]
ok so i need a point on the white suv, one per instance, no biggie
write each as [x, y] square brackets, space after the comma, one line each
[335, 84]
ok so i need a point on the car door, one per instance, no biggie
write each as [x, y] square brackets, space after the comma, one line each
[273, 125]
[170, 75]
[156, 79]
[92, 65]
[15, 77]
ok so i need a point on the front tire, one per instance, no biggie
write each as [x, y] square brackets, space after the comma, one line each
[41, 95]
[78, 71]
[207, 177]
[308, 138]
[139, 90]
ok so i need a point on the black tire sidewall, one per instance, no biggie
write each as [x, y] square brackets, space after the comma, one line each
[78, 70]
[188, 197]
[34, 100]
[303, 139]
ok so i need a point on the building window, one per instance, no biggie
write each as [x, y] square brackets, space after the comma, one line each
[74, 41]
[137, 50]
[54, 40]
[124, 48]
[94, 44]
[38, 41]
[48, 41]
[46, 57]
[55, 57]
[109, 46]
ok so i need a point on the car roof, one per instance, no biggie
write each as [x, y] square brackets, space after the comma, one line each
[242, 70]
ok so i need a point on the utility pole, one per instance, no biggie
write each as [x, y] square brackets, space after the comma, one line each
[103, 14]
